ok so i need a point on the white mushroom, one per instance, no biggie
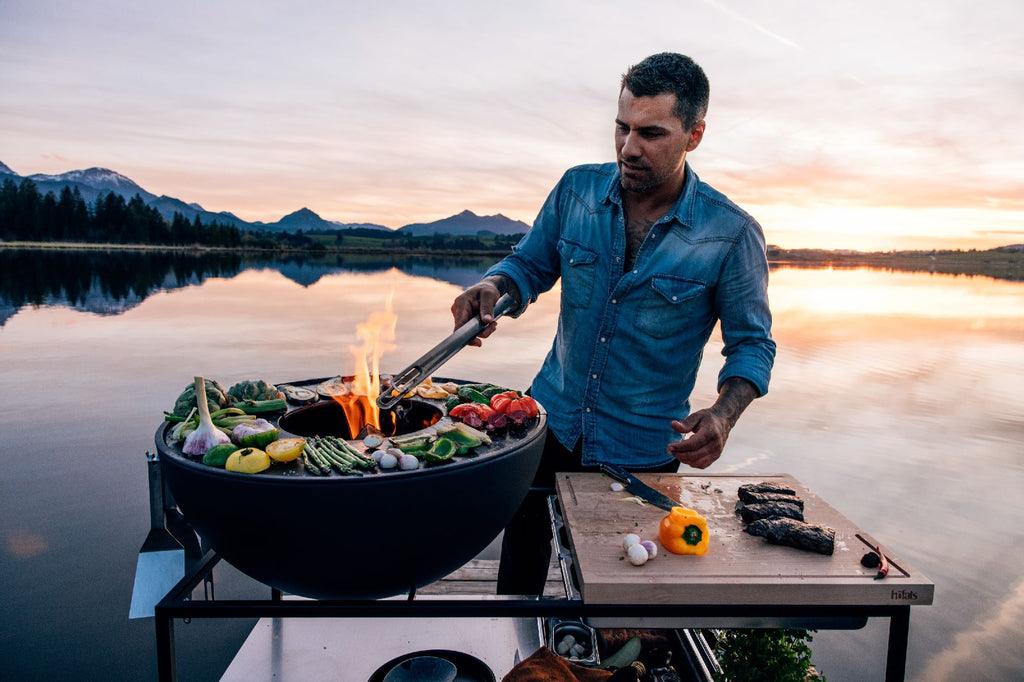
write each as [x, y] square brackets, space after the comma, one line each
[388, 461]
[629, 540]
[407, 462]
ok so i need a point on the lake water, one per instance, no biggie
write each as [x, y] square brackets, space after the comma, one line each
[896, 396]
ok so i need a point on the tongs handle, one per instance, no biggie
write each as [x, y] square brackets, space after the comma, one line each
[414, 374]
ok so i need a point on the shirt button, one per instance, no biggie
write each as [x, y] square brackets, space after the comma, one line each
[571, 260]
[675, 298]
[614, 300]
[603, 339]
[634, 272]
[588, 409]
[617, 259]
[593, 376]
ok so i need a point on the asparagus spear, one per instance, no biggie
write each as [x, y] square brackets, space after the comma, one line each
[315, 458]
[325, 445]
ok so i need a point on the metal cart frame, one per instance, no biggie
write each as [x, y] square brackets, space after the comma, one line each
[178, 603]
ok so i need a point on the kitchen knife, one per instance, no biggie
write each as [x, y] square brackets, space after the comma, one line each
[639, 488]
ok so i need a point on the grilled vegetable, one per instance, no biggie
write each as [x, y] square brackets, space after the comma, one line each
[258, 390]
[414, 444]
[441, 451]
[256, 434]
[451, 403]
[206, 435]
[432, 392]
[464, 435]
[262, 406]
[684, 531]
[248, 461]
[218, 454]
[286, 450]
[510, 402]
[472, 395]
[297, 394]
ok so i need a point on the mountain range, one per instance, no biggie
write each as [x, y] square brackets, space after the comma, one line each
[93, 183]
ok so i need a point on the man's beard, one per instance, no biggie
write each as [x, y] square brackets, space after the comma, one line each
[644, 185]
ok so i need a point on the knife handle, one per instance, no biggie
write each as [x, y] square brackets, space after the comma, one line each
[619, 474]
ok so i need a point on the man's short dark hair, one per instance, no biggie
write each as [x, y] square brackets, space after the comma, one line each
[675, 73]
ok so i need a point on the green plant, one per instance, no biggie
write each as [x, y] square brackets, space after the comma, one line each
[765, 656]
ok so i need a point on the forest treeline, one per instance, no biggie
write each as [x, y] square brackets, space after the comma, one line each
[28, 215]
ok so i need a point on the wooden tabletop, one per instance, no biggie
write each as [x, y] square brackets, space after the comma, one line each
[738, 569]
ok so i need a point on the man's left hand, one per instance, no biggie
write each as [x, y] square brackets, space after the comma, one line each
[710, 431]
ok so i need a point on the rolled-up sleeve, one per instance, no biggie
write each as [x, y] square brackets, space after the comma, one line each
[534, 265]
[741, 299]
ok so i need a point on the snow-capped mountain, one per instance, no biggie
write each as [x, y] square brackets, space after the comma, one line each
[93, 183]
[99, 178]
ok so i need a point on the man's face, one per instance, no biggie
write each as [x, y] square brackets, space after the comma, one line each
[650, 142]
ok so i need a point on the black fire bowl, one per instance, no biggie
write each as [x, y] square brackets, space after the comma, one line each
[355, 537]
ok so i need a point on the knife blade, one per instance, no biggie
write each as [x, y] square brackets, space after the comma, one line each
[639, 488]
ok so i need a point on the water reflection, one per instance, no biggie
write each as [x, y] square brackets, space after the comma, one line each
[112, 282]
[895, 396]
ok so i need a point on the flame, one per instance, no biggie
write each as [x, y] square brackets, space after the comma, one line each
[377, 335]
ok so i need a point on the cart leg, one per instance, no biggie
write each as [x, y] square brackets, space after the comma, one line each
[165, 647]
[899, 633]
[275, 594]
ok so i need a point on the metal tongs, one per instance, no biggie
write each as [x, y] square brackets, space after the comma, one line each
[413, 375]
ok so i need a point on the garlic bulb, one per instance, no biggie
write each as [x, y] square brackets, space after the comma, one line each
[206, 434]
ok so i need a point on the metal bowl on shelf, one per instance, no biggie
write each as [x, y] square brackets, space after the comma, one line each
[368, 536]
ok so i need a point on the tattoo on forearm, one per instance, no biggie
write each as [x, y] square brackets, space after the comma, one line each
[505, 286]
[734, 397]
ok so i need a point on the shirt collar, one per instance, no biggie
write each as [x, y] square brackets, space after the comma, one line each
[681, 213]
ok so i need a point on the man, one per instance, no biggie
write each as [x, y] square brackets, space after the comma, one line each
[650, 258]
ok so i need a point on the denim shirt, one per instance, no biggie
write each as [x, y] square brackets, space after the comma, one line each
[625, 356]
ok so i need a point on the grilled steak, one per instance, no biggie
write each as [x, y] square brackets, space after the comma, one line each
[768, 510]
[793, 533]
[765, 487]
[758, 498]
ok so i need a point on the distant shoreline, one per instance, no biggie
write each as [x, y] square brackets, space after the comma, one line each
[1001, 264]
[200, 248]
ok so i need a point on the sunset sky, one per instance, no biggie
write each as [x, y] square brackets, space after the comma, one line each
[870, 125]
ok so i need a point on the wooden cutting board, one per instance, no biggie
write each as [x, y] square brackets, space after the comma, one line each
[738, 569]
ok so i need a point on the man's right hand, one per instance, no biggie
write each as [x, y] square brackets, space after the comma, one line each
[478, 300]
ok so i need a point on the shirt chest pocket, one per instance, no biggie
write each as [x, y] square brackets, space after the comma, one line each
[669, 305]
[579, 268]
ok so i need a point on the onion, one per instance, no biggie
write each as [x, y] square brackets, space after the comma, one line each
[652, 549]
[637, 554]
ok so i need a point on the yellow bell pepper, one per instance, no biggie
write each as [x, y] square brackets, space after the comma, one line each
[684, 531]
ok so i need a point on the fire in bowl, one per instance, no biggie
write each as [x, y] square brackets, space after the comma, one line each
[367, 536]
